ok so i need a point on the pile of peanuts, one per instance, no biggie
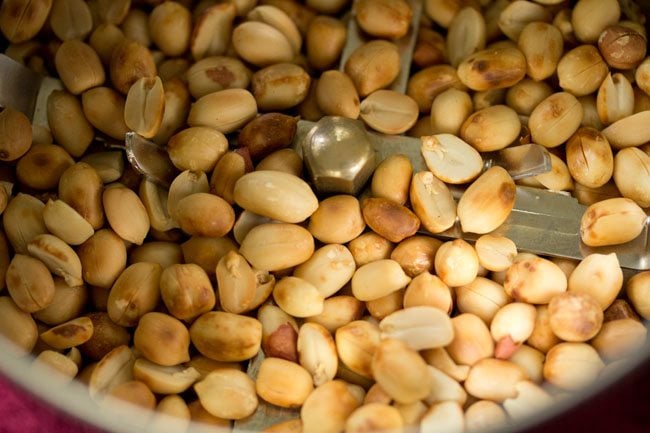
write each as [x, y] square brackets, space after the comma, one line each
[160, 296]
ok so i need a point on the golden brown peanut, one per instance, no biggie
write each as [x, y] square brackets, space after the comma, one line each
[317, 352]
[382, 307]
[177, 107]
[185, 184]
[81, 187]
[135, 26]
[236, 282]
[555, 119]
[542, 337]
[71, 19]
[42, 166]
[456, 263]
[280, 86]
[115, 368]
[590, 17]
[589, 157]
[69, 334]
[629, 131]
[172, 413]
[298, 297]
[212, 30]
[170, 25]
[111, 11]
[385, 19]
[451, 159]
[378, 416]
[227, 394]
[472, 340]
[493, 68]
[642, 76]
[275, 194]
[524, 96]
[68, 303]
[328, 269]
[419, 327]
[225, 336]
[104, 38]
[416, 254]
[425, 85]
[266, 134]
[428, 290]
[66, 223]
[389, 219]
[199, 415]
[144, 106]
[429, 48]
[212, 74]
[534, 280]
[370, 247]
[205, 214]
[611, 221]
[531, 360]
[286, 160]
[485, 374]
[511, 325]
[226, 110]
[372, 66]
[600, 276]
[130, 61]
[165, 252]
[495, 253]
[324, 41]
[400, 371]
[515, 16]
[261, 44]
[29, 283]
[482, 297]
[327, 407]
[336, 95]
[491, 128]
[338, 311]
[155, 199]
[637, 289]
[575, 317]
[245, 223]
[103, 258]
[280, 20]
[432, 202]
[125, 213]
[558, 178]
[377, 279]
[164, 379]
[631, 175]
[615, 99]
[283, 383]
[442, 12]
[449, 110]
[134, 293]
[21, 30]
[560, 368]
[104, 109]
[106, 336]
[162, 339]
[186, 291]
[389, 112]
[58, 256]
[619, 338]
[205, 365]
[15, 134]
[206, 252]
[356, 343]
[66, 120]
[18, 327]
[542, 45]
[23, 221]
[79, 66]
[581, 70]
[392, 177]
[466, 35]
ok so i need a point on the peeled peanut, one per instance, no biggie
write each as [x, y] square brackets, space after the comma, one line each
[373, 66]
[612, 221]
